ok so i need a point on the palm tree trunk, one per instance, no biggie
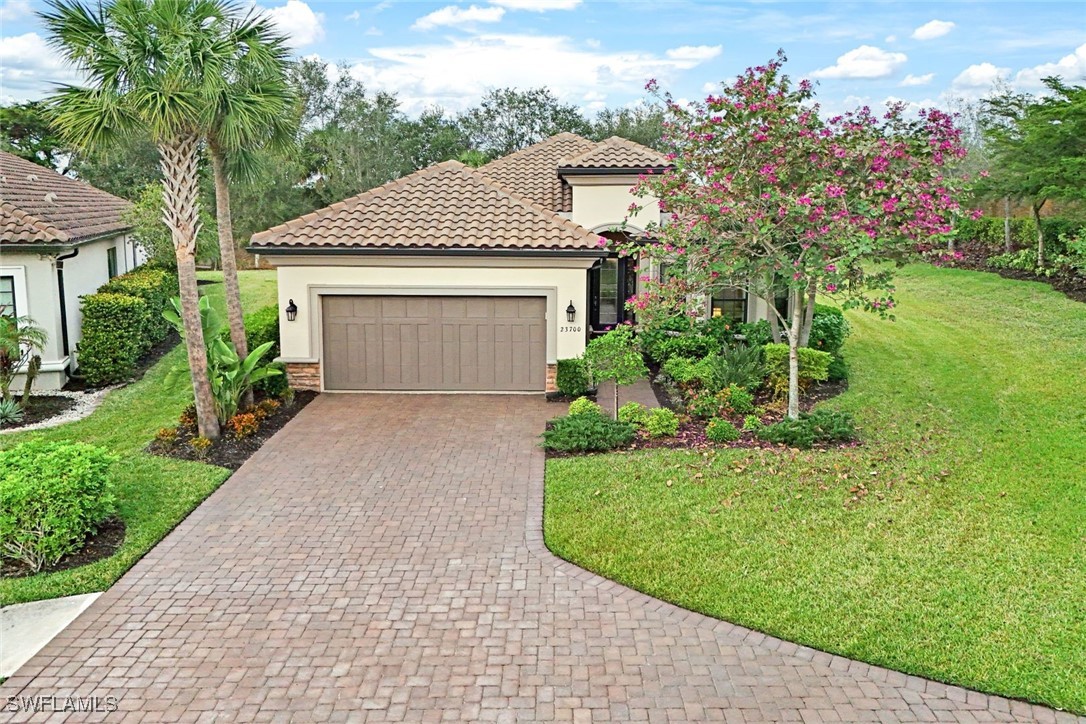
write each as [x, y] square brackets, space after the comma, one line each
[227, 252]
[180, 160]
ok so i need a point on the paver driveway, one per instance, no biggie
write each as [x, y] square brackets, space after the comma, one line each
[382, 559]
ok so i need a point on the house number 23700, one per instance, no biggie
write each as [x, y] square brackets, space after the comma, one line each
[569, 329]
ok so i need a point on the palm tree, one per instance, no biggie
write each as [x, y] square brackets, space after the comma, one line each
[157, 66]
[19, 337]
[253, 109]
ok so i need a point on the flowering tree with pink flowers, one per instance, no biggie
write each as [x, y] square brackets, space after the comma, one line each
[768, 196]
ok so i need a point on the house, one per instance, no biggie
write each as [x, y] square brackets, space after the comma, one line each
[462, 279]
[60, 238]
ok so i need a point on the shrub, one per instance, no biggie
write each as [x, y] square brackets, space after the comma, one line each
[737, 399]
[266, 408]
[584, 406]
[703, 404]
[819, 426]
[652, 339]
[633, 413]
[1073, 257]
[155, 286]
[829, 328]
[720, 430]
[167, 436]
[587, 433]
[262, 326]
[690, 345]
[114, 337]
[682, 370]
[813, 365]
[739, 365]
[661, 422]
[11, 412]
[755, 334]
[572, 377]
[616, 357]
[52, 496]
[838, 369]
[200, 445]
[752, 423]
[243, 424]
[187, 418]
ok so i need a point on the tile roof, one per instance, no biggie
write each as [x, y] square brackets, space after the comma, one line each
[445, 206]
[40, 206]
[533, 171]
[616, 153]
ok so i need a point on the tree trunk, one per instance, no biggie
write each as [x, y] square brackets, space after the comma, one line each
[808, 316]
[33, 365]
[793, 353]
[1040, 232]
[1007, 224]
[180, 160]
[616, 401]
[228, 259]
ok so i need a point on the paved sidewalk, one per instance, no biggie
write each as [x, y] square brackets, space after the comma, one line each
[640, 391]
[382, 559]
[27, 627]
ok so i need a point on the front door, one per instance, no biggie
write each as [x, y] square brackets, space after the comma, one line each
[610, 285]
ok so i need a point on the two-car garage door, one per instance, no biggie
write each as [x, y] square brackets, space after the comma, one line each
[447, 343]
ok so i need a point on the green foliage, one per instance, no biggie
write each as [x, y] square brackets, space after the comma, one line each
[752, 423]
[721, 430]
[838, 370]
[681, 369]
[19, 337]
[590, 432]
[11, 412]
[614, 356]
[52, 496]
[829, 329]
[641, 124]
[691, 344]
[25, 131]
[584, 406]
[739, 365]
[813, 364]
[989, 231]
[114, 337]
[737, 399]
[508, 119]
[633, 413]
[821, 426]
[755, 334]
[572, 377]
[155, 286]
[702, 403]
[145, 217]
[1073, 256]
[261, 327]
[661, 422]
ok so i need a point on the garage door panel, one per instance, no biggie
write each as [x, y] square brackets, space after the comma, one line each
[434, 343]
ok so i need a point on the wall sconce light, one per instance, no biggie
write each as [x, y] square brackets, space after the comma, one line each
[291, 310]
[571, 312]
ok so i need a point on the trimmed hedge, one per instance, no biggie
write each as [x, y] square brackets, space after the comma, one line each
[572, 377]
[813, 364]
[988, 230]
[155, 286]
[114, 337]
[52, 496]
[263, 326]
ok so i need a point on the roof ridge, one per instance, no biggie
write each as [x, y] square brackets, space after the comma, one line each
[537, 145]
[610, 142]
[69, 179]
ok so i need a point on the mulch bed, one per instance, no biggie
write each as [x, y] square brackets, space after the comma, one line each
[100, 545]
[231, 452]
[160, 350]
[41, 408]
[975, 258]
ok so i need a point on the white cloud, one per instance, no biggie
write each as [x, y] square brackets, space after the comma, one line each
[538, 6]
[373, 30]
[14, 10]
[979, 76]
[1071, 68]
[891, 38]
[298, 22]
[710, 87]
[933, 29]
[353, 17]
[456, 73]
[864, 62]
[455, 15]
[29, 68]
[912, 80]
[695, 53]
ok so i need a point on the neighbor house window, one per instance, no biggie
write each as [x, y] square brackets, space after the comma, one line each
[7, 297]
[731, 303]
[111, 261]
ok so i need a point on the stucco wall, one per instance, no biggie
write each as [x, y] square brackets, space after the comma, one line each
[561, 281]
[600, 202]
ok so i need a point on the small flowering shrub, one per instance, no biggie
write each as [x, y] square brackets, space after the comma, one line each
[721, 430]
[200, 445]
[587, 432]
[266, 408]
[243, 425]
[167, 436]
[634, 413]
[661, 422]
[584, 406]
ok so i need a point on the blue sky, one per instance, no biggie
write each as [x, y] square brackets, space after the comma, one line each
[597, 53]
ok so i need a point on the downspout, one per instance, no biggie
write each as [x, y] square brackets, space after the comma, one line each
[64, 306]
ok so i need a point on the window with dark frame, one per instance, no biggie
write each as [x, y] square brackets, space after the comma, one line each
[111, 261]
[7, 296]
[729, 302]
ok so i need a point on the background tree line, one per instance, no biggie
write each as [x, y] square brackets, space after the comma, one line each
[349, 139]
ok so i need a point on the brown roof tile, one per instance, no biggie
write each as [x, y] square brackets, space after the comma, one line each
[616, 153]
[446, 206]
[533, 171]
[40, 206]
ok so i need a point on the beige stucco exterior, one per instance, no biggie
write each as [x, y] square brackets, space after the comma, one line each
[37, 296]
[603, 202]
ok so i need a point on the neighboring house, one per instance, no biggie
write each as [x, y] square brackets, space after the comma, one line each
[59, 239]
[463, 279]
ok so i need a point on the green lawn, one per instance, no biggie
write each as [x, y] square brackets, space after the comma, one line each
[966, 559]
[154, 494]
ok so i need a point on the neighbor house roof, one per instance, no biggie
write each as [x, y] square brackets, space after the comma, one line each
[448, 206]
[614, 154]
[40, 206]
[533, 171]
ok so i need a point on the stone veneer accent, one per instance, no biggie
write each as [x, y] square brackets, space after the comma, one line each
[304, 375]
[552, 378]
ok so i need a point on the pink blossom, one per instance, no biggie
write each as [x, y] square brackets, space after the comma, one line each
[834, 192]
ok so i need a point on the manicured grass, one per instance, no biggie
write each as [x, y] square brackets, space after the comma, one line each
[965, 561]
[154, 494]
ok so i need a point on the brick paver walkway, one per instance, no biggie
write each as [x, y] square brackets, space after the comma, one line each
[382, 559]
